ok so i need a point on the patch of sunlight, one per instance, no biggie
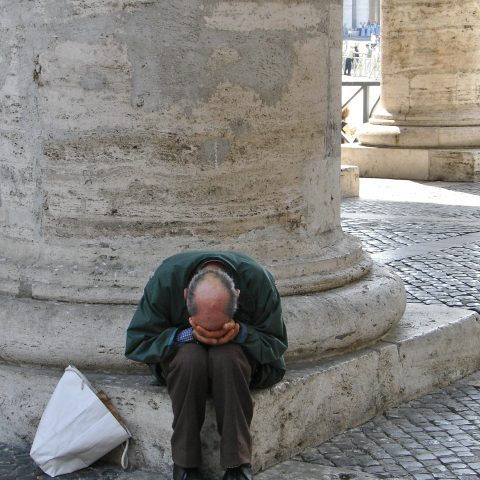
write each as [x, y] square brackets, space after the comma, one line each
[416, 192]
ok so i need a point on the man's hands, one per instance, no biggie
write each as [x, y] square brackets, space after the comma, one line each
[215, 337]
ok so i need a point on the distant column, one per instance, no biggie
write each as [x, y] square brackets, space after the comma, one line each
[354, 13]
[374, 10]
[347, 13]
[430, 76]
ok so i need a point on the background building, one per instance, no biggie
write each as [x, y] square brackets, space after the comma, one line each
[358, 12]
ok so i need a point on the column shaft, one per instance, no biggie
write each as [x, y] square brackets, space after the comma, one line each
[430, 90]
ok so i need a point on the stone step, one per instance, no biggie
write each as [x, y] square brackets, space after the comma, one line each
[349, 181]
[447, 164]
[431, 346]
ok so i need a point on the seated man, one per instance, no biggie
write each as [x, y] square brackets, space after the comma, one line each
[210, 323]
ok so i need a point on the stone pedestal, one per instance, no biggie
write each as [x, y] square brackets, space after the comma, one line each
[134, 130]
[429, 97]
[434, 164]
[349, 181]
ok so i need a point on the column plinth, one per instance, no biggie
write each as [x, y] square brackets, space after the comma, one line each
[429, 86]
[135, 131]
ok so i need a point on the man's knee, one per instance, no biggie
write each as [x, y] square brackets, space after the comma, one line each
[190, 359]
[229, 358]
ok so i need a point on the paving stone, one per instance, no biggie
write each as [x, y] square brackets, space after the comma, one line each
[409, 463]
[465, 455]
[425, 456]
[463, 471]
[449, 460]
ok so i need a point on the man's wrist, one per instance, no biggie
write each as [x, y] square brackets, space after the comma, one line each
[242, 333]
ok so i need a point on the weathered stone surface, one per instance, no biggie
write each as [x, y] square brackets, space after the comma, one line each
[425, 82]
[457, 165]
[134, 130]
[92, 336]
[349, 181]
[423, 362]
[343, 318]
[387, 162]
[324, 398]
[412, 136]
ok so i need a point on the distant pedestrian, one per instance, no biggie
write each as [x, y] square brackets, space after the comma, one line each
[369, 51]
[356, 56]
[348, 61]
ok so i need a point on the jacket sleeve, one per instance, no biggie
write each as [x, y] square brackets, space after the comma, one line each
[151, 333]
[266, 340]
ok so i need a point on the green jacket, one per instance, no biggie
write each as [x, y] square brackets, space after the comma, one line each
[162, 312]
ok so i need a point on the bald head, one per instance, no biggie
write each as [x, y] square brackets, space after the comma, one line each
[211, 298]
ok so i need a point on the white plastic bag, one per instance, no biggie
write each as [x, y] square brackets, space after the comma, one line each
[76, 428]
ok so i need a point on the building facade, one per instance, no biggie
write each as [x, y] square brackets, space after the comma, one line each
[359, 12]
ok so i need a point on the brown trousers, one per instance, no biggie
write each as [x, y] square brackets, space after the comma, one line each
[194, 372]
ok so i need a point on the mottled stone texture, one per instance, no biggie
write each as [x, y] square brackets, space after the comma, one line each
[318, 325]
[132, 130]
[430, 75]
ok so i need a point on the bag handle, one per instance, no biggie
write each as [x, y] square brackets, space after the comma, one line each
[124, 460]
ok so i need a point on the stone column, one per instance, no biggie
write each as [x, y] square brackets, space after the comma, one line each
[135, 130]
[354, 14]
[347, 13]
[363, 12]
[374, 10]
[430, 91]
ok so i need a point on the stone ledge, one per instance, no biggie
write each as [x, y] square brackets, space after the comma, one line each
[431, 346]
[451, 165]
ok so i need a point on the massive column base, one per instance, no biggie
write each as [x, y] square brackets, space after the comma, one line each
[431, 346]
[92, 336]
[419, 136]
[445, 164]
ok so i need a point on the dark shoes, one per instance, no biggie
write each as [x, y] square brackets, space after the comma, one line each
[243, 472]
[180, 473]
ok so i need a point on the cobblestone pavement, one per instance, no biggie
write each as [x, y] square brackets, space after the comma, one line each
[434, 245]
[434, 437]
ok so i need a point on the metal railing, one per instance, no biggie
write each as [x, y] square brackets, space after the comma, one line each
[364, 89]
[363, 66]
